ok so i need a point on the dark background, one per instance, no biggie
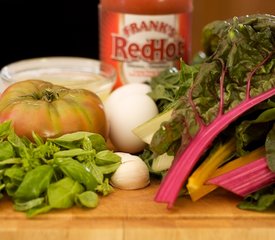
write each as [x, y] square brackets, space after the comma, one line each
[39, 28]
[48, 28]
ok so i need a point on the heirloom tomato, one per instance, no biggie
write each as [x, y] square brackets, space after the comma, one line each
[50, 110]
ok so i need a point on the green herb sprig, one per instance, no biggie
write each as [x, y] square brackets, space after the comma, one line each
[57, 173]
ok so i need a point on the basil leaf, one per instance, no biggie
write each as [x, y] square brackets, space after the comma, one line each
[24, 206]
[14, 174]
[38, 210]
[12, 178]
[10, 161]
[5, 129]
[7, 150]
[75, 170]
[34, 183]
[73, 153]
[110, 168]
[87, 199]
[75, 140]
[15, 140]
[106, 157]
[61, 194]
[95, 170]
[105, 188]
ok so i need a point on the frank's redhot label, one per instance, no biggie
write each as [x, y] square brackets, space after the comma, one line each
[141, 46]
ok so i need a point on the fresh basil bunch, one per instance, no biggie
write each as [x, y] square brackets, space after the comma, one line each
[57, 173]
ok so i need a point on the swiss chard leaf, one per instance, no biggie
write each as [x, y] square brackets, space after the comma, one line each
[238, 74]
[260, 200]
[270, 149]
[171, 84]
[254, 132]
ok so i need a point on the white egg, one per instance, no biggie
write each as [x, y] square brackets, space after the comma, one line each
[127, 89]
[140, 88]
[126, 108]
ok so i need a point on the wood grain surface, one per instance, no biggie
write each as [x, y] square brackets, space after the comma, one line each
[125, 215]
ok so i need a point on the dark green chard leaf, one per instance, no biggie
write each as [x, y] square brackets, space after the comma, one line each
[171, 84]
[260, 200]
[215, 32]
[270, 149]
[238, 73]
[169, 133]
[164, 87]
[35, 182]
[254, 132]
[75, 170]
[187, 76]
[87, 199]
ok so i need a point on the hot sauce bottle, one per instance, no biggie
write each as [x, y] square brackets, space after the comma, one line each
[141, 38]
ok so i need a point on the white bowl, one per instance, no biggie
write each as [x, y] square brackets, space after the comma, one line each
[71, 72]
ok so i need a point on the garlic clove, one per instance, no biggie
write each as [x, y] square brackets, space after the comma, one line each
[131, 174]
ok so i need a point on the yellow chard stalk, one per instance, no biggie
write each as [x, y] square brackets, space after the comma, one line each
[195, 185]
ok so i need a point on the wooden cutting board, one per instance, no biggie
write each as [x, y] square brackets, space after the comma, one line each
[131, 215]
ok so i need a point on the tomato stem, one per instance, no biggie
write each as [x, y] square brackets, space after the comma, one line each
[49, 95]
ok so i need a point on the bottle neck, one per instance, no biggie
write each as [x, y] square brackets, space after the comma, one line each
[148, 6]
